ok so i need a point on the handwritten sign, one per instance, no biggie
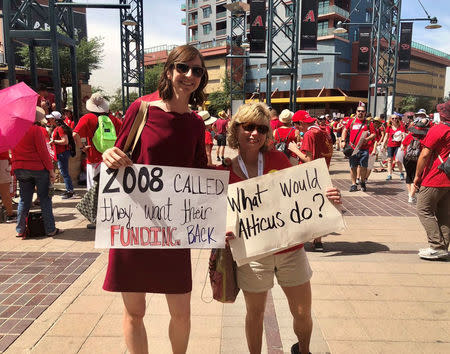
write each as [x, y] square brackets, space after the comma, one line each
[279, 210]
[161, 207]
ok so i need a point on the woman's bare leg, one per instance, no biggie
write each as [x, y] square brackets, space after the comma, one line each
[133, 323]
[256, 304]
[180, 321]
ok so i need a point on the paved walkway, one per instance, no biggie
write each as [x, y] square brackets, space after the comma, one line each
[371, 293]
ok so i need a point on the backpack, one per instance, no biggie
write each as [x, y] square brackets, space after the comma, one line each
[413, 150]
[105, 135]
[283, 145]
[34, 225]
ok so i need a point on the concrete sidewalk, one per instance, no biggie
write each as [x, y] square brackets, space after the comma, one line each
[371, 292]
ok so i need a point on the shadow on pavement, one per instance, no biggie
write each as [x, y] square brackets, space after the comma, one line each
[342, 248]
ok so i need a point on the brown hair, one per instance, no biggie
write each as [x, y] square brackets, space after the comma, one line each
[182, 53]
[257, 113]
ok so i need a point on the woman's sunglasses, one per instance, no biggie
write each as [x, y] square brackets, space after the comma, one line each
[183, 68]
[249, 127]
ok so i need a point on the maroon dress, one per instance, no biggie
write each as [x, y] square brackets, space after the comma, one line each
[168, 139]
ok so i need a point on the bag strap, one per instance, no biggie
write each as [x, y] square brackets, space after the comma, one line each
[287, 136]
[357, 132]
[136, 128]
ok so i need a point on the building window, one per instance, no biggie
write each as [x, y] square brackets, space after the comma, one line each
[207, 28]
[368, 16]
[207, 12]
[312, 76]
[324, 7]
[322, 28]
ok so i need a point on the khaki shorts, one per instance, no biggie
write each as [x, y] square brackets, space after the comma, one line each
[5, 172]
[290, 268]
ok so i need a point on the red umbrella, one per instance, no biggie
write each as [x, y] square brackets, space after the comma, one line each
[18, 104]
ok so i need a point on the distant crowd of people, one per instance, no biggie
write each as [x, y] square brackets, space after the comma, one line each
[177, 135]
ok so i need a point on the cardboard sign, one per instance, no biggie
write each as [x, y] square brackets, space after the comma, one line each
[279, 210]
[161, 207]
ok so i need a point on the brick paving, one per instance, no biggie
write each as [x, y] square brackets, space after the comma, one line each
[30, 282]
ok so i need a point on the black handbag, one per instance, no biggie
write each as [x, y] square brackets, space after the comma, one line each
[34, 225]
[88, 204]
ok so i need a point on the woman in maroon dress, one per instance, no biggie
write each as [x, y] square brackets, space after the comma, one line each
[170, 123]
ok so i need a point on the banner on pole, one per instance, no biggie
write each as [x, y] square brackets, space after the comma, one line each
[276, 211]
[404, 51]
[258, 26]
[148, 207]
[308, 29]
[364, 49]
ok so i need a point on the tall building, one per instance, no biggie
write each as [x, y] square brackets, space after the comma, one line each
[322, 85]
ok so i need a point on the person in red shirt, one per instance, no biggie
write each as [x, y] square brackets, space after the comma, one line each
[433, 202]
[377, 142]
[68, 117]
[5, 182]
[60, 142]
[338, 125]
[46, 100]
[316, 144]
[286, 133]
[413, 143]
[86, 127]
[33, 168]
[393, 139]
[220, 128]
[208, 121]
[250, 133]
[356, 129]
[274, 120]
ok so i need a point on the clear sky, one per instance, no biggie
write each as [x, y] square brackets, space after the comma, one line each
[162, 25]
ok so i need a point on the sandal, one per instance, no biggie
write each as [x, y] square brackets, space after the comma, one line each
[56, 232]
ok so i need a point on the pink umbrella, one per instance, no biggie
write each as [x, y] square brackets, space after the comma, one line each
[18, 104]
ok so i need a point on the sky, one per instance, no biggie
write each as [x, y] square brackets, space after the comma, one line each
[162, 25]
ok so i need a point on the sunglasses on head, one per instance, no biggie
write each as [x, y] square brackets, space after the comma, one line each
[250, 127]
[183, 68]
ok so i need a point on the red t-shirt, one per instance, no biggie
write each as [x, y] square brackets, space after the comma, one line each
[31, 152]
[395, 136]
[318, 143]
[221, 126]
[275, 123]
[353, 127]
[208, 138]
[282, 133]
[273, 161]
[86, 127]
[58, 134]
[4, 155]
[437, 140]
[70, 123]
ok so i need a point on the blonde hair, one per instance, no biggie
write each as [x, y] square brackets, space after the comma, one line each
[257, 113]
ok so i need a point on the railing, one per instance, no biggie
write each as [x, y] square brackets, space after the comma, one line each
[221, 32]
[193, 38]
[430, 50]
[206, 45]
[330, 32]
[159, 48]
[193, 5]
[183, 21]
[183, 7]
[221, 14]
[193, 21]
[333, 9]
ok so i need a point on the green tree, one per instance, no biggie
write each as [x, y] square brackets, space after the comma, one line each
[408, 104]
[414, 103]
[89, 55]
[115, 102]
[220, 100]
[151, 78]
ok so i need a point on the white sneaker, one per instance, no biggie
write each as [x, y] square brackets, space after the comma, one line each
[410, 199]
[430, 253]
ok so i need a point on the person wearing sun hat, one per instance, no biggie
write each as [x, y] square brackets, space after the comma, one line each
[208, 120]
[433, 202]
[87, 125]
[286, 133]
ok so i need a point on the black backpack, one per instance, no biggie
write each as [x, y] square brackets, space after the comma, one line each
[283, 145]
[68, 132]
[413, 150]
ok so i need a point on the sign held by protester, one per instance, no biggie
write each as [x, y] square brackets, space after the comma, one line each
[144, 206]
[279, 210]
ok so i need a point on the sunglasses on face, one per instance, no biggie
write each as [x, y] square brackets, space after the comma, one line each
[361, 111]
[250, 127]
[183, 68]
